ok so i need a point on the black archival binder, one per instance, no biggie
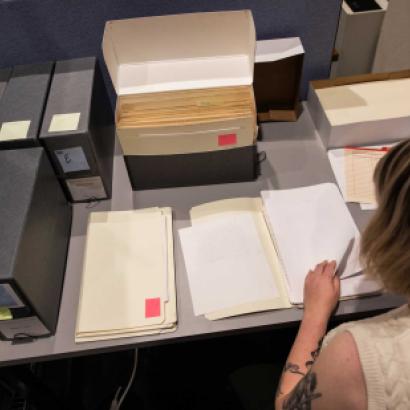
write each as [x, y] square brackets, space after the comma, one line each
[78, 130]
[22, 105]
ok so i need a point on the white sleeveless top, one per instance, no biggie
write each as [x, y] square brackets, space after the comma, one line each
[383, 343]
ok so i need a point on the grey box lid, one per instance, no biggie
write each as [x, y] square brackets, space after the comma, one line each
[18, 174]
[70, 93]
[25, 95]
[4, 78]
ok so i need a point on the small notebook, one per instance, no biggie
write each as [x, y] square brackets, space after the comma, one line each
[247, 255]
[128, 284]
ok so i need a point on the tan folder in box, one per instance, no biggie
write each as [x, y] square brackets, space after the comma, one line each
[184, 122]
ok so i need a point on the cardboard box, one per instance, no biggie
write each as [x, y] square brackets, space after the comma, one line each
[22, 105]
[357, 36]
[157, 62]
[203, 168]
[4, 78]
[180, 52]
[277, 75]
[78, 130]
[35, 222]
[360, 110]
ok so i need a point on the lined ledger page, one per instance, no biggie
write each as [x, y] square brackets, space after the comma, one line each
[359, 169]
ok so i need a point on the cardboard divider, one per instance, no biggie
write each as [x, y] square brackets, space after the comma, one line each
[277, 76]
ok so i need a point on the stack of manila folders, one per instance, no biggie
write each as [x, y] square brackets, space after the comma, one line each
[247, 255]
[128, 282]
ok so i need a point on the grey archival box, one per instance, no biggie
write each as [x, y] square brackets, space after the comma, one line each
[22, 105]
[35, 224]
[78, 130]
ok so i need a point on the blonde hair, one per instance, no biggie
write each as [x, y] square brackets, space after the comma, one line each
[385, 247]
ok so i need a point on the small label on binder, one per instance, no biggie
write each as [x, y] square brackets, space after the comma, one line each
[9, 298]
[86, 189]
[227, 139]
[16, 130]
[64, 122]
[152, 307]
[72, 159]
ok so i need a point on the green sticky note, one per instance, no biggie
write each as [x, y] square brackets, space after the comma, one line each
[5, 314]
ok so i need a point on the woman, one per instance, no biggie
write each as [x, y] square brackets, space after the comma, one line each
[364, 364]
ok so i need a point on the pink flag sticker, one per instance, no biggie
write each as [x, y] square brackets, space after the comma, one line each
[152, 307]
[226, 139]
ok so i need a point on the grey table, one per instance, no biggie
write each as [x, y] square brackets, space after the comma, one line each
[294, 157]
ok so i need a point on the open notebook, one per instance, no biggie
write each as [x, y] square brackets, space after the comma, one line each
[246, 255]
[128, 283]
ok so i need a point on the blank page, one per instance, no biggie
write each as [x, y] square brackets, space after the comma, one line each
[309, 225]
[226, 263]
[124, 267]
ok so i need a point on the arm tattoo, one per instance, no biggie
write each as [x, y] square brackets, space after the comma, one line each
[293, 368]
[303, 394]
[314, 354]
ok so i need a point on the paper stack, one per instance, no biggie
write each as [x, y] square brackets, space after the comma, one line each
[252, 254]
[151, 123]
[128, 284]
[312, 224]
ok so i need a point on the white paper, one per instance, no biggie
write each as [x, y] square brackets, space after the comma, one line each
[368, 207]
[310, 225]
[277, 49]
[72, 159]
[226, 264]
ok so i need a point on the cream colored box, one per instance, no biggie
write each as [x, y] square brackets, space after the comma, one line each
[180, 52]
[361, 110]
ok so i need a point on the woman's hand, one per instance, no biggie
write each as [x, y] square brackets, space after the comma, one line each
[321, 293]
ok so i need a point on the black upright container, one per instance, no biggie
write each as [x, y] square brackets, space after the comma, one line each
[35, 223]
[78, 130]
[22, 105]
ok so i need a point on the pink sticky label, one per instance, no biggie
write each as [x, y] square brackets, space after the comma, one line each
[226, 139]
[152, 307]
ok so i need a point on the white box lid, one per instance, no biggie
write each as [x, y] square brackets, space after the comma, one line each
[278, 49]
[181, 51]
